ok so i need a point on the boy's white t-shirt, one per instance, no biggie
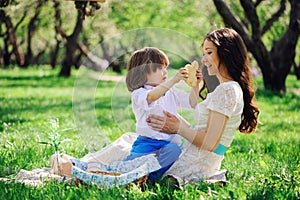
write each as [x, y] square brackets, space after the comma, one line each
[171, 101]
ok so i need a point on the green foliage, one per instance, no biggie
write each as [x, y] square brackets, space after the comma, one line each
[262, 165]
[54, 135]
[192, 18]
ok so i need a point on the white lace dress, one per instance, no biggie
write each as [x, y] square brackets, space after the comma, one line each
[194, 163]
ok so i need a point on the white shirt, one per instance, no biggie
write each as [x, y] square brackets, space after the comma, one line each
[171, 101]
[226, 99]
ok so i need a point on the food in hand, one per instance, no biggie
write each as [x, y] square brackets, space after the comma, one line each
[192, 69]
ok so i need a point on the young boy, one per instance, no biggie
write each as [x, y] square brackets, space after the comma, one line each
[152, 93]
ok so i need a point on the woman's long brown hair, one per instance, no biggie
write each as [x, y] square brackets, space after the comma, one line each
[233, 55]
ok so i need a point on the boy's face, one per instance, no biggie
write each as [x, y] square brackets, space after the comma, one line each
[157, 77]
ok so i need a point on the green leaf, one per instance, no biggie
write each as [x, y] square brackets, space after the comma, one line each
[45, 143]
[263, 165]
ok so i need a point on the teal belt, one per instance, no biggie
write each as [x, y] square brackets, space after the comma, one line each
[220, 150]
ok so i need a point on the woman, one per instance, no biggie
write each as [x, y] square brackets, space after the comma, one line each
[230, 106]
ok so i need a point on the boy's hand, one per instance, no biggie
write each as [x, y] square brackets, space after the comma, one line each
[182, 74]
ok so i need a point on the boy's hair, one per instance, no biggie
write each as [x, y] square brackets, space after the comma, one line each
[143, 62]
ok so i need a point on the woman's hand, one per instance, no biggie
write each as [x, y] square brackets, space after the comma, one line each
[199, 75]
[169, 124]
[193, 98]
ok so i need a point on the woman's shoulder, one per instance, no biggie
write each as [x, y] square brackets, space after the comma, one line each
[230, 90]
[226, 98]
[231, 86]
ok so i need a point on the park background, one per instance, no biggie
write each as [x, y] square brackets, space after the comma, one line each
[43, 44]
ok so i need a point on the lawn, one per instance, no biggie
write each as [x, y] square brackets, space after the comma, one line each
[261, 165]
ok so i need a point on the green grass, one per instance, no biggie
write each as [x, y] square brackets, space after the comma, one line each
[262, 165]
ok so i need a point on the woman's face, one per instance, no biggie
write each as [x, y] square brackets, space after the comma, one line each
[210, 57]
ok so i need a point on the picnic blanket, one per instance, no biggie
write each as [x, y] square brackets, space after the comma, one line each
[104, 168]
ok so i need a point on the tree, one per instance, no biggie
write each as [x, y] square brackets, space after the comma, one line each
[17, 17]
[32, 26]
[71, 46]
[275, 64]
[10, 39]
[57, 23]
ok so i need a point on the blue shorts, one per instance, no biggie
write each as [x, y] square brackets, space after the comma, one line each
[167, 153]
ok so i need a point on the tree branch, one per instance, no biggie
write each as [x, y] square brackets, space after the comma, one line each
[257, 3]
[61, 32]
[21, 20]
[56, 6]
[252, 16]
[230, 20]
[34, 19]
[58, 21]
[274, 18]
[78, 26]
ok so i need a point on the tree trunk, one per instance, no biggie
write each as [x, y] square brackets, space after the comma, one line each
[6, 53]
[283, 51]
[115, 64]
[31, 30]
[276, 64]
[297, 71]
[54, 54]
[71, 47]
[69, 59]
[11, 39]
[58, 22]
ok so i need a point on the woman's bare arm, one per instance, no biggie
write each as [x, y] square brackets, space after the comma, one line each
[205, 139]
